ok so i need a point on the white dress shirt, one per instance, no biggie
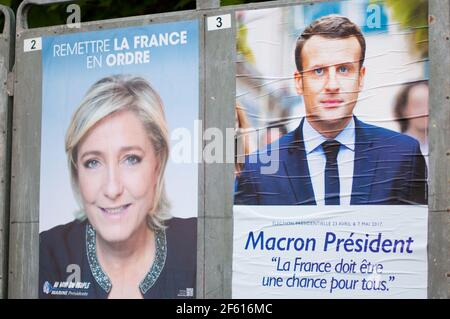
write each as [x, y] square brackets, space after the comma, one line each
[317, 160]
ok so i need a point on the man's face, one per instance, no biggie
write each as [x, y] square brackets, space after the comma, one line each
[331, 80]
[417, 108]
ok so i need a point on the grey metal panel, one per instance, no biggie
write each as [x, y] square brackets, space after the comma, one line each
[24, 7]
[6, 59]
[439, 128]
[201, 175]
[24, 220]
[22, 25]
[220, 97]
[207, 4]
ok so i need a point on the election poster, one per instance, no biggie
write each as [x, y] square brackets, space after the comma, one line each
[119, 174]
[331, 166]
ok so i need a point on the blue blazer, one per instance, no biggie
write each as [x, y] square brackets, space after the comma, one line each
[389, 169]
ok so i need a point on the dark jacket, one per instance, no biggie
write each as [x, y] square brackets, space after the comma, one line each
[67, 264]
[389, 169]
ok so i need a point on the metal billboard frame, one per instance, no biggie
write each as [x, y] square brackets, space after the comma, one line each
[7, 38]
[217, 99]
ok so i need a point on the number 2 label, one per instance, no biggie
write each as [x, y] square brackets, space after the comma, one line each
[34, 44]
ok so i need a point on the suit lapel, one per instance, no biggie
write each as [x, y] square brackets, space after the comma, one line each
[296, 166]
[364, 164]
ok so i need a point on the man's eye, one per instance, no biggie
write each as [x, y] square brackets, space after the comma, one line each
[132, 160]
[318, 71]
[343, 69]
[92, 163]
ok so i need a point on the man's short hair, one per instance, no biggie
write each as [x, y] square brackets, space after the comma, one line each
[332, 27]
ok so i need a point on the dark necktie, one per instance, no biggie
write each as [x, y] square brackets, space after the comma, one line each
[332, 186]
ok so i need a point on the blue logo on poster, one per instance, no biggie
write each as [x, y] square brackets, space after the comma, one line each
[47, 288]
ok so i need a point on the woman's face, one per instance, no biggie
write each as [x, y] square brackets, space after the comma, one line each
[117, 175]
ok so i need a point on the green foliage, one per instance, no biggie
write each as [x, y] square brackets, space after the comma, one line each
[412, 15]
[241, 43]
[91, 10]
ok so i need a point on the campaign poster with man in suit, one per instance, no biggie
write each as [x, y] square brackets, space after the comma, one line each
[331, 189]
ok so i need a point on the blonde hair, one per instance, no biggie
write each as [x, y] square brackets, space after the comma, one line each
[123, 93]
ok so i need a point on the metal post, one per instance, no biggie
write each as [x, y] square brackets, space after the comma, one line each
[7, 57]
[439, 128]
[208, 4]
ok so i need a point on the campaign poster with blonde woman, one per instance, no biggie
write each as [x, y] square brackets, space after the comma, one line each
[118, 214]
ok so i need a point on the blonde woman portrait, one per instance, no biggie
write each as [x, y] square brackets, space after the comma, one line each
[125, 243]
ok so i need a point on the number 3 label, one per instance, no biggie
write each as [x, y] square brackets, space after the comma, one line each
[34, 44]
[219, 22]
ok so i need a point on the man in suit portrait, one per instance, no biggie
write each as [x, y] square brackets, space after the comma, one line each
[333, 158]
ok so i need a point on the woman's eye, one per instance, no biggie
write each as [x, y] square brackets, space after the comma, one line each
[132, 160]
[318, 71]
[92, 163]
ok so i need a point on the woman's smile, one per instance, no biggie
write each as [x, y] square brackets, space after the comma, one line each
[116, 211]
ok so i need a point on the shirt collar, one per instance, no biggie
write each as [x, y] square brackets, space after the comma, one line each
[313, 139]
[102, 278]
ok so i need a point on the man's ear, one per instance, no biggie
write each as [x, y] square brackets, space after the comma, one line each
[362, 73]
[298, 82]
